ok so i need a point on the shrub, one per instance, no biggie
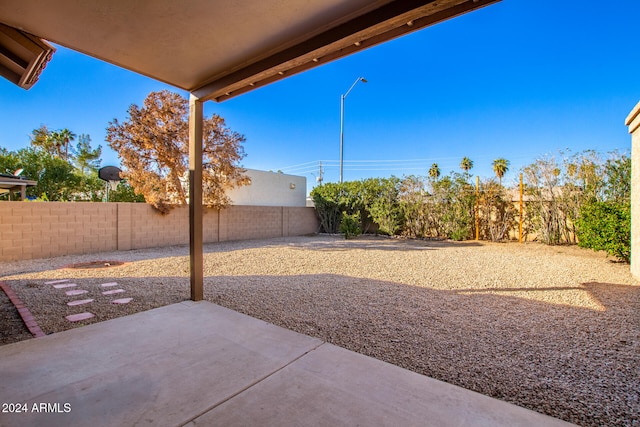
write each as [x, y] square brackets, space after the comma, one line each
[414, 200]
[383, 206]
[350, 225]
[497, 213]
[606, 226]
[326, 199]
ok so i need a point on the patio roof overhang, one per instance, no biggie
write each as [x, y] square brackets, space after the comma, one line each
[218, 49]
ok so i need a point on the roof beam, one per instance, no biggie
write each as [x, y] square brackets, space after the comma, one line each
[385, 23]
[22, 56]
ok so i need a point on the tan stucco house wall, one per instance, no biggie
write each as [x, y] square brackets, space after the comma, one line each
[633, 121]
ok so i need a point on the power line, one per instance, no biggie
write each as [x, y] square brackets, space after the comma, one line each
[396, 166]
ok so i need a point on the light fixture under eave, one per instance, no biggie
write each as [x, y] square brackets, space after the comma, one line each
[22, 56]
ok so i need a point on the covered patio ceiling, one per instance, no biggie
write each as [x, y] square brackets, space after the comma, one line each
[218, 49]
[215, 49]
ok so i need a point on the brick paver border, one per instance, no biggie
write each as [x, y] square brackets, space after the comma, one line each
[24, 312]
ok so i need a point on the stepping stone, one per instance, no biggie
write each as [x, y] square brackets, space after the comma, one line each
[106, 285]
[79, 302]
[54, 282]
[122, 301]
[76, 292]
[65, 285]
[79, 317]
[115, 291]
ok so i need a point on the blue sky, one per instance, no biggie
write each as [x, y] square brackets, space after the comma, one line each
[516, 80]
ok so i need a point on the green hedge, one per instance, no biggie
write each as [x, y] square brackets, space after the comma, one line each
[606, 226]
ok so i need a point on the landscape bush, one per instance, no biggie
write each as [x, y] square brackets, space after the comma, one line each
[350, 225]
[606, 226]
[497, 212]
[329, 208]
[604, 220]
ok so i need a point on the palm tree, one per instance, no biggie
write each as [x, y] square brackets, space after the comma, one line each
[466, 164]
[500, 167]
[54, 141]
[434, 171]
[66, 136]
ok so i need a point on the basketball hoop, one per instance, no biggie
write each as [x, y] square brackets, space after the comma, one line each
[111, 175]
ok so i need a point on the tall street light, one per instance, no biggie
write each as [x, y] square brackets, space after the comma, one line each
[342, 98]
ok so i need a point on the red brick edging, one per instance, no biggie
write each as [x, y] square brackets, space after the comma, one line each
[24, 312]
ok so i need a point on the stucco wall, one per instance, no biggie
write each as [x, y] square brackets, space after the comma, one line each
[633, 121]
[270, 189]
[46, 229]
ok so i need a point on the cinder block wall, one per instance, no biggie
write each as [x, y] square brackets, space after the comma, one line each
[32, 230]
[633, 121]
[40, 230]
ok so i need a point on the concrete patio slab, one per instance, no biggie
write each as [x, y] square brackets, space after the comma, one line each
[202, 364]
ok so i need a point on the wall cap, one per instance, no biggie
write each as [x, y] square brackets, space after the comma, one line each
[633, 119]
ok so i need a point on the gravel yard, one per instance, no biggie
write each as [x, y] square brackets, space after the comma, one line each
[553, 329]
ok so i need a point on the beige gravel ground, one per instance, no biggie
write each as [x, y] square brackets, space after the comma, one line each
[553, 329]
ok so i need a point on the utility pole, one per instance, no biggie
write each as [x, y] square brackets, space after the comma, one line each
[320, 177]
[342, 98]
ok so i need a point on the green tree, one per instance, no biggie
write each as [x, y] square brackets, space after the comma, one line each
[9, 162]
[617, 174]
[125, 193]
[41, 138]
[56, 180]
[56, 143]
[59, 140]
[500, 167]
[86, 158]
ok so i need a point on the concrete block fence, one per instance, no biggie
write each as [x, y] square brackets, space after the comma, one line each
[30, 230]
